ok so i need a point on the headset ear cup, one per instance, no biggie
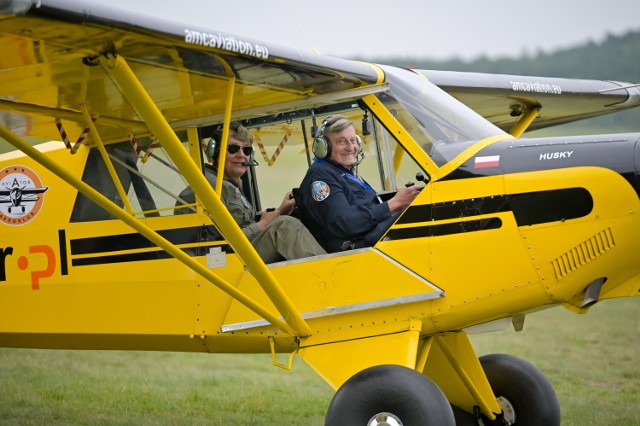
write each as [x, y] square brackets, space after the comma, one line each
[359, 141]
[212, 148]
[321, 147]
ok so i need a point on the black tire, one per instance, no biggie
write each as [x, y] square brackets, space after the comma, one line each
[524, 387]
[400, 391]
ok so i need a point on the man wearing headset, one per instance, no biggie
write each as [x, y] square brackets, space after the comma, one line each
[343, 211]
[276, 235]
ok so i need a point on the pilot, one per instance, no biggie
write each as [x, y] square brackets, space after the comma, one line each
[342, 210]
[276, 235]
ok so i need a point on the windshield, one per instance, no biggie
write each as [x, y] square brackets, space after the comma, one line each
[442, 126]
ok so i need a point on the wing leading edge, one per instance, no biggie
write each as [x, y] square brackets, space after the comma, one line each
[502, 98]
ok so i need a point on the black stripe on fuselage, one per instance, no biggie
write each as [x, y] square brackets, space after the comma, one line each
[100, 246]
[121, 258]
[444, 229]
[132, 241]
[137, 257]
[528, 208]
[62, 242]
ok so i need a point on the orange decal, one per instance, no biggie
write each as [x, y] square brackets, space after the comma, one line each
[48, 271]
[21, 195]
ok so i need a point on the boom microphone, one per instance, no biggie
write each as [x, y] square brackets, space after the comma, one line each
[251, 163]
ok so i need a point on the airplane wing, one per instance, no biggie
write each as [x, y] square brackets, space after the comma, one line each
[502, 98]
[48, 75]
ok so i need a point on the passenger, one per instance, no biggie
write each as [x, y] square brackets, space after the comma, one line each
[276, 236]
[340, 209]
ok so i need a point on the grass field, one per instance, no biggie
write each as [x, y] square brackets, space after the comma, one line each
[592, 361]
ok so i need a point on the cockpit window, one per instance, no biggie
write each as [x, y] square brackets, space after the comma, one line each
[149, 180]
[442, 126]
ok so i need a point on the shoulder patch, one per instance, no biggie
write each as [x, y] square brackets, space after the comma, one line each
[319, 190]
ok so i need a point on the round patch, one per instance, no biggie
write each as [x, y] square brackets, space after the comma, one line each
[21, 195]
[319, 190]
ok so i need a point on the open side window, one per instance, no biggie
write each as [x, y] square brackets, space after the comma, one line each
[146, 182]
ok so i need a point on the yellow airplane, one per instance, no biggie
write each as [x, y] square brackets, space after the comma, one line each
[505, 226]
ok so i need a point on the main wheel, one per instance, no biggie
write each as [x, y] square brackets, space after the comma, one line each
[524, 393]
[389, 395]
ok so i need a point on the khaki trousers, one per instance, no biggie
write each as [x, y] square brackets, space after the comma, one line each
[286, 238]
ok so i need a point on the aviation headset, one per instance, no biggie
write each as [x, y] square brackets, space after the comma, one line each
[322, 145]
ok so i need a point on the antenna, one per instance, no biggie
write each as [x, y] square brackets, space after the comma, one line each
[299, 25]
[617, 88]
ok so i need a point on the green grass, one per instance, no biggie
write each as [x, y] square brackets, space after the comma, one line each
[590, 359]
[46, 387]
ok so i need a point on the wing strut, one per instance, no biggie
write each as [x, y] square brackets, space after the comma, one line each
[521, 126]
[135, 93]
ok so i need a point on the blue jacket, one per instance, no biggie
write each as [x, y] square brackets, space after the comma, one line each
[339, 207]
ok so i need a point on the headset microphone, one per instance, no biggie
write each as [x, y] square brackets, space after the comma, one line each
[252, 160]
[360, 158]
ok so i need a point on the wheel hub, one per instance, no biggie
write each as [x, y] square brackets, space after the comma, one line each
[508, 412]
[384, 419]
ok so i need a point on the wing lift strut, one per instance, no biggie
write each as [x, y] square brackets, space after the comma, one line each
[117, 68]
[527, 115]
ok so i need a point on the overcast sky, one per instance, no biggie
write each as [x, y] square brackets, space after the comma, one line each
[441, 29]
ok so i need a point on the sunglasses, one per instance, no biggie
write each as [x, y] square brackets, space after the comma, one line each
[246, 150]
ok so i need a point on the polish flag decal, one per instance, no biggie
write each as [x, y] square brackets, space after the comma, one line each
[487, 161]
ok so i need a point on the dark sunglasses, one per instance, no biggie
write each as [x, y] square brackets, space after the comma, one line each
[246, 150]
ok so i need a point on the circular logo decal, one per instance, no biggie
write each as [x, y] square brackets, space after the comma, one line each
[319, 190]
[21, 195]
